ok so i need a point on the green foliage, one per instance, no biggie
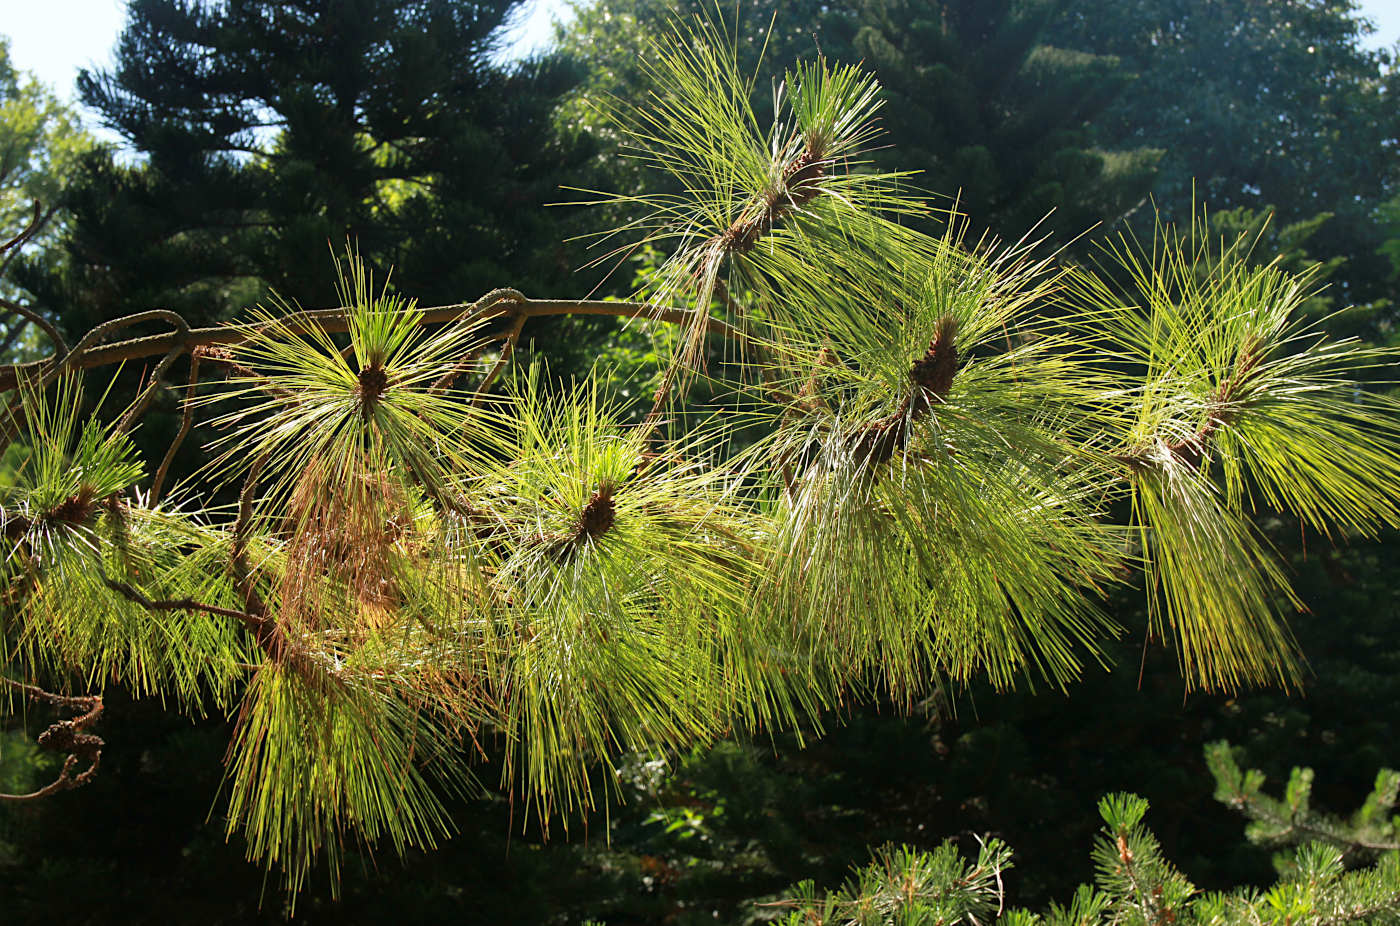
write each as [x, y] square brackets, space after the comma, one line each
[312, 763]
[909, 887]
[266, 129]
[419, 562]
[1134, 883]
[73, 538]
[41, 143]
[1228, 346]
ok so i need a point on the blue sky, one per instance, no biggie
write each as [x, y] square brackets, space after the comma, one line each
[54, 38]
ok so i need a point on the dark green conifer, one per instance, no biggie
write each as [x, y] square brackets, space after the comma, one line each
[263, 130]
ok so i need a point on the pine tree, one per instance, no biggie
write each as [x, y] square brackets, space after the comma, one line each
[910, 477]
[1275, 104]
[264, 130]
[1134, 883]
[984, 107]
[998, 114]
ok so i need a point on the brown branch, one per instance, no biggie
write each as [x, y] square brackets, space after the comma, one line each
[801, 183]
[11, 249]
[45, 371]
[89, 354]
[932, 378]
[33, 316]
[99, 333]
[1220, 410]
[256, 624]
[67, 736]
[143, 401]
[507, 350]
[29, 231]
[186, 423]
[494, 297]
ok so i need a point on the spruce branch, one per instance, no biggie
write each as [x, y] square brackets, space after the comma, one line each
[1371, 831]
[1134, 885]
[60, 345]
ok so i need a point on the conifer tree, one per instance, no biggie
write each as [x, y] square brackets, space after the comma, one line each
[265, 129]
[1319, 881]
[1281, 105]
[995, 111]
[983, 104]
[909, 477]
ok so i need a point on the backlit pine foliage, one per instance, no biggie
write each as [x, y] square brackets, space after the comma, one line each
[914, 469]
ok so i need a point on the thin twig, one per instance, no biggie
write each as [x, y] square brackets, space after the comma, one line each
[494, 297]
[507, 349]
[59, 343]
[89, 354]
[185, 424]
[47, 370]
[269, 636]
[143, 401]
[252, 621]
[67, 736]
[653, 419]
[29, 231]
[65, 702]
[12, 248]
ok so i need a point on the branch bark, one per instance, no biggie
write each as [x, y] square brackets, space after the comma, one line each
[90, 354]
[68, 736]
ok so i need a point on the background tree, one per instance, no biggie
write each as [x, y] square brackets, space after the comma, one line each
[264, 130]
[984, 105]
[40, 144]
[1258, 105]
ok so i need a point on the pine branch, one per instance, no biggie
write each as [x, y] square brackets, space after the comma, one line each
[1372, 829]
[90, 353]
[65, 736]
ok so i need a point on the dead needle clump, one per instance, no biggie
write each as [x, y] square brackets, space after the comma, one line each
[598, 515]
[932, 378]
[373, 381]
[75, 509]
